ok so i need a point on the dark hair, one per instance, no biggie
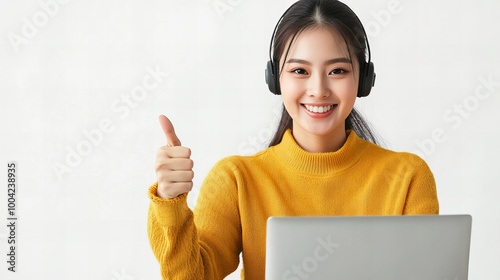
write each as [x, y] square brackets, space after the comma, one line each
[305, 14]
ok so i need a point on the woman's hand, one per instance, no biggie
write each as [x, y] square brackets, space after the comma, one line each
[174, 168]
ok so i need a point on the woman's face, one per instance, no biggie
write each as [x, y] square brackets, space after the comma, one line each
[318, 86]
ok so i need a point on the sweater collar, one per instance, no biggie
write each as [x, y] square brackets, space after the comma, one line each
[293, 156]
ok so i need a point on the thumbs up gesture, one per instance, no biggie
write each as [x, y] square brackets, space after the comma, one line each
[174, 168]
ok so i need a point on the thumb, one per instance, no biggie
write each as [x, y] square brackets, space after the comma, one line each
[169, 131]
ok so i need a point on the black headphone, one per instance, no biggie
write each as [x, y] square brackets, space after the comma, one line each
[367, 69]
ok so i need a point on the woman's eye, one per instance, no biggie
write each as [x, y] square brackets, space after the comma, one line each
[299, 71]
[338, 71]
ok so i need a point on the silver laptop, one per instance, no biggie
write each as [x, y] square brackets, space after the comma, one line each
[368, 247]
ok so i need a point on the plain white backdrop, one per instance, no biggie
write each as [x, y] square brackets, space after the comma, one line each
[83, 82]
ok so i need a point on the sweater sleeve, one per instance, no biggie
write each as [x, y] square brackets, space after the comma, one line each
[422, 196]
[199, 244]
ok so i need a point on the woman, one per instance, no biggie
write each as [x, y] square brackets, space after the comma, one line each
[318, 164]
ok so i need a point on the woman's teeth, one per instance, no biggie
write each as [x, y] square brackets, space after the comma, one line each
[318, 109]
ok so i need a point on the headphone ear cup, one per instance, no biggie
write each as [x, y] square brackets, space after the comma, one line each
[367, 80]
[271, 78]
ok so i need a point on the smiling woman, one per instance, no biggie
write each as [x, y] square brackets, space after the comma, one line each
[319, 163]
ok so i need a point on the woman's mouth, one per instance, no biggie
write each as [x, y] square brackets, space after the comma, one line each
[319, 109]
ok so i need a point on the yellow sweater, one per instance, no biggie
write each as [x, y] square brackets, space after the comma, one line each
[241, 192]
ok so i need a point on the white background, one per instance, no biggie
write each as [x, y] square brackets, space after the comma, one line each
[67, 70]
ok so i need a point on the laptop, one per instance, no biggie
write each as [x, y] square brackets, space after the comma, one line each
[368, 247]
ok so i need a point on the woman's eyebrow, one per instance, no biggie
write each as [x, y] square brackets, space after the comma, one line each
[328, 62]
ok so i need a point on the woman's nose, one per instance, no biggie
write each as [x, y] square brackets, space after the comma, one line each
[318, 86]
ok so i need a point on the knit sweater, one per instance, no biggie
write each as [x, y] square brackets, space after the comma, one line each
[241, 192]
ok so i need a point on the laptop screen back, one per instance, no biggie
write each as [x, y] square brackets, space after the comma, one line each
[374, 247]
